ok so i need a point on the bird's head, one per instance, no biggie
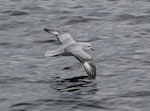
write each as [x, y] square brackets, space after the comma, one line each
[87, 46]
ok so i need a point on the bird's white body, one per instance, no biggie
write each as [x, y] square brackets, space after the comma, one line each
[73, 48]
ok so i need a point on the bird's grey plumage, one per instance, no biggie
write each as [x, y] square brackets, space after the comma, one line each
[56, 52]
[62, 37]
[71, 47]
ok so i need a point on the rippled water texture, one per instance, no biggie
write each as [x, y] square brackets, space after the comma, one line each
[119, 30]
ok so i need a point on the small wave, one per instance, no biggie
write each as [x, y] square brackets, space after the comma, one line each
[12, 25]
[16, 13]
[136, 94]
[133, 19]
[45, 41]
[21, 104]
[12, 45]
[100, 14]
[79, 19]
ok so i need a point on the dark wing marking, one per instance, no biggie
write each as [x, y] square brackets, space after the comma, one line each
[87, 61]
[90, 69]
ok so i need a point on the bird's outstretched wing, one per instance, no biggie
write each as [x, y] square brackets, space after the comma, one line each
[87, 61]
[56, 52]
[62, 37]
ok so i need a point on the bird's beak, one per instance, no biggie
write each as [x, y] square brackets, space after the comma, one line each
[92, 49]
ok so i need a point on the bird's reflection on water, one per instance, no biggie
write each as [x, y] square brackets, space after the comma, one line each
[75, 84]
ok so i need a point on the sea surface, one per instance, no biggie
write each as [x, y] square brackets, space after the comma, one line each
[119, 31]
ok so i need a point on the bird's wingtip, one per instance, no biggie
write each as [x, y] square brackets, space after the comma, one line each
[90, 69]
[45, 29]
[54, 32]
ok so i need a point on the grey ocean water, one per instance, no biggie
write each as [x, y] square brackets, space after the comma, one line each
[119, 30]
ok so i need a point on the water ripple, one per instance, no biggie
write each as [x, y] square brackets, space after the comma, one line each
[119, 32]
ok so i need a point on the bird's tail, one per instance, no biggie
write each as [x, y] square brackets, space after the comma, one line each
[53, 32]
